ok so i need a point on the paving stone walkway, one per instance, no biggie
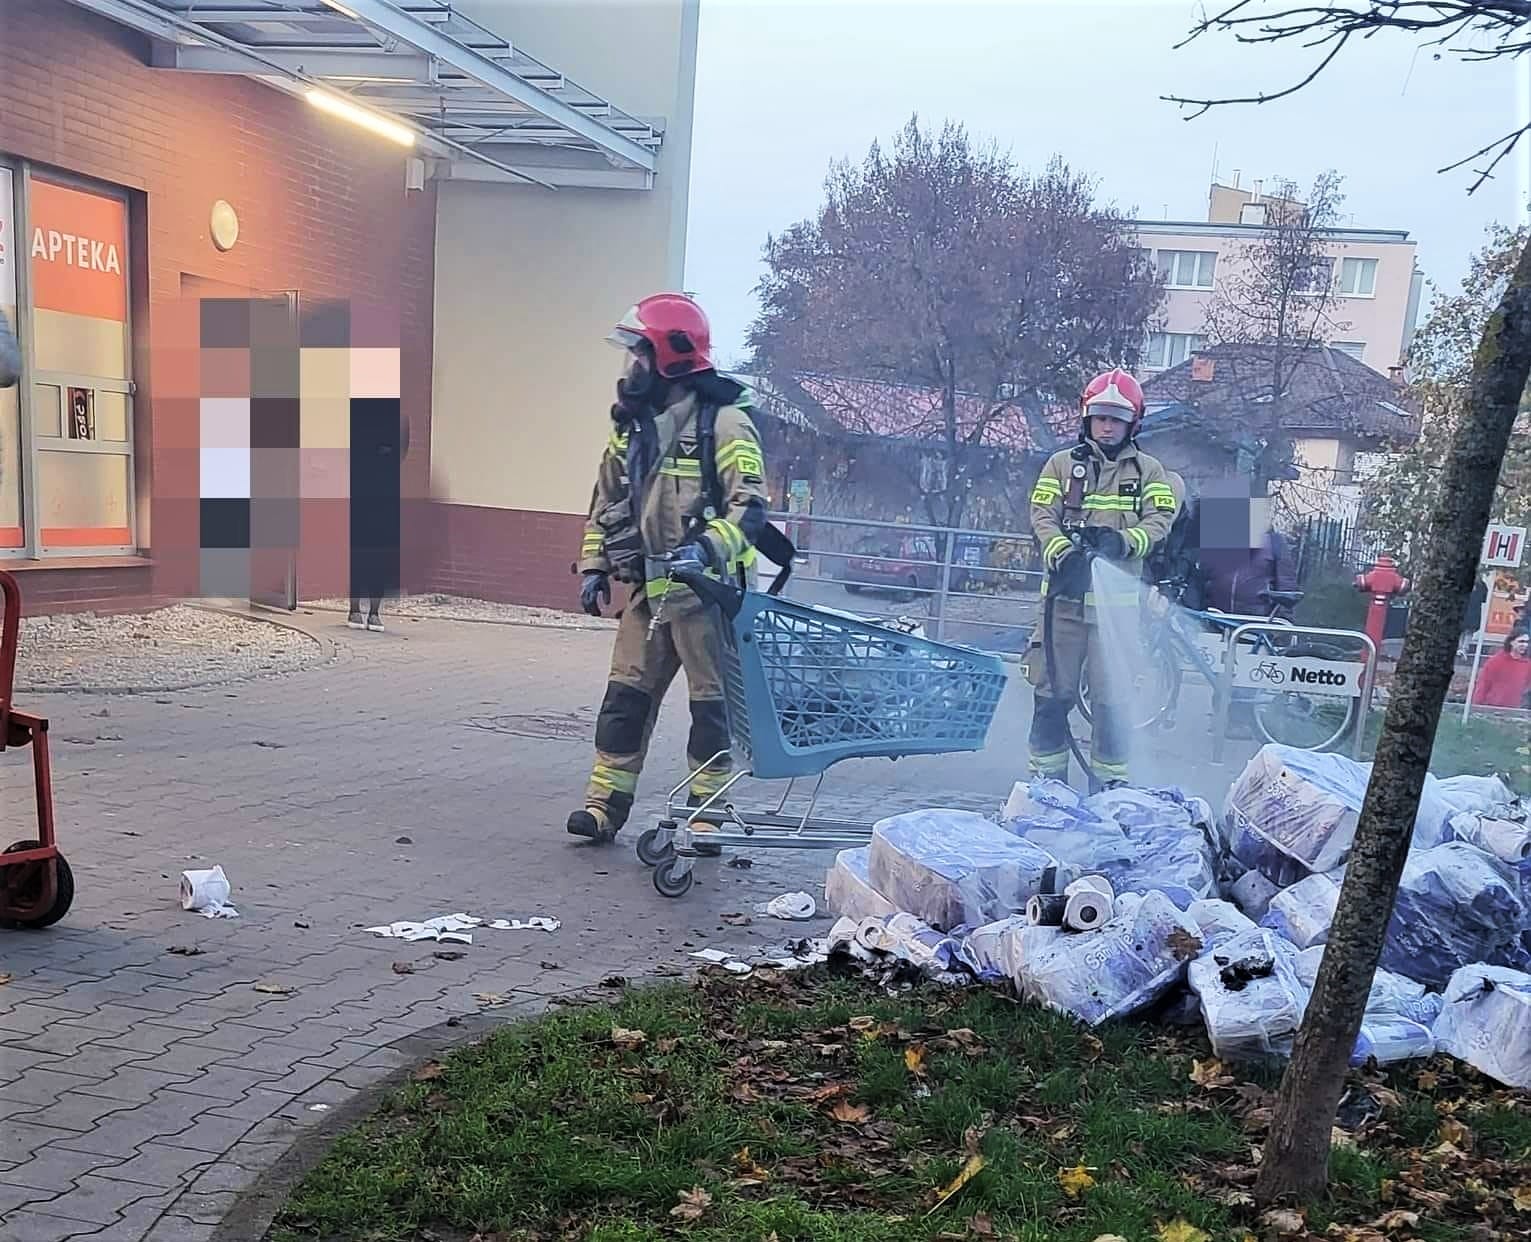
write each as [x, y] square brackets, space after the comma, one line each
[142, 1090]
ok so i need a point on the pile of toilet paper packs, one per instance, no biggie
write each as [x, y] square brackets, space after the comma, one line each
[1145, 902]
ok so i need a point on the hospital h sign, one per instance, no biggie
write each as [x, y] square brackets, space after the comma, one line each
[1504, 546]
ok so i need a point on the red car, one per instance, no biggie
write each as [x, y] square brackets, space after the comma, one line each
[906, 565]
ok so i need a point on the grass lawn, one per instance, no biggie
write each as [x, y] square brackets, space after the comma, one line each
[1483, 746]
[814, 1109]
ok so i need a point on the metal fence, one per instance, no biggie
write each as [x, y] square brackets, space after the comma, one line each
[980, 588]
[1330, 546]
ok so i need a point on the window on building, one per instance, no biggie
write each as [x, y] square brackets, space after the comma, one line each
[1187, 269]
[1358, 278]
[1315, 279]
[1356, 349]
[66, 431]
[1170, 349]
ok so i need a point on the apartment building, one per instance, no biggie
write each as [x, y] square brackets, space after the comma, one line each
[1373, 271]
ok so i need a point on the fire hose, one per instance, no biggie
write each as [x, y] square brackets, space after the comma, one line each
[1081, 548]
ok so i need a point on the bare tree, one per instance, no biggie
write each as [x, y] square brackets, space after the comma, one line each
[938, 268]
[1296, 1157]
[1471, 29]
[1279, 291]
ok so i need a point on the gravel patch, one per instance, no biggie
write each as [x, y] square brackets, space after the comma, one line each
[460, 608]
[174, 648]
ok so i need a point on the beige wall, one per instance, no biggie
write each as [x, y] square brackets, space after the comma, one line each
[1378, 320]
[529, 281]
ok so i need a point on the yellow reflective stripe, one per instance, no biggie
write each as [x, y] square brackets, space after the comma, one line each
[743, 454]
[608, 777]
[708, 781]
[593, 543]
[731, 536]
[1154, 489]
[1110, 503]
[681, 468]
[618, 442]
[1138, 538]
[1045, 495]
[1054, 547]
[1109, 771]
[1164, 502]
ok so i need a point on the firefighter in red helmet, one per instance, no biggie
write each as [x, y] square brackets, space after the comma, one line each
[1103, 497]
[682, 481]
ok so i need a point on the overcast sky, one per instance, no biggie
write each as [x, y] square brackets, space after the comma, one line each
[784, 87]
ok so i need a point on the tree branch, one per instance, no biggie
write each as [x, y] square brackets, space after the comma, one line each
[1205, 105]
[1506, 144]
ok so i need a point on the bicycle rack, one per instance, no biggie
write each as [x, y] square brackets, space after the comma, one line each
[1224, 703]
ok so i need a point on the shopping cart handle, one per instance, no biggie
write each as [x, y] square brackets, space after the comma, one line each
[727, 598]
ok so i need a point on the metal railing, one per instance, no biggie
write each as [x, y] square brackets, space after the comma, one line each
[939, 582]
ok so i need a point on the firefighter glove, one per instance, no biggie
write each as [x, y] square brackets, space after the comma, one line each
[594, 591]
[1072, 577]
[1111, 544]
[692, 558]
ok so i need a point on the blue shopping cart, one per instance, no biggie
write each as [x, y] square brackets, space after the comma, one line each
[806, 689]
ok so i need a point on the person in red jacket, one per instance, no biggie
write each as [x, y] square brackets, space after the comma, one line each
[1505, 680]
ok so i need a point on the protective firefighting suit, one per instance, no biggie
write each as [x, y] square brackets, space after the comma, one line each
[652, 479]
[1130, 494]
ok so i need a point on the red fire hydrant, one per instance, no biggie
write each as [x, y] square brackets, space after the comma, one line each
[1382, 581]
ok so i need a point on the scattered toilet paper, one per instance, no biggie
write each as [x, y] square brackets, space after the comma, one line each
[207, 893]
[794, 907]
[457, 928]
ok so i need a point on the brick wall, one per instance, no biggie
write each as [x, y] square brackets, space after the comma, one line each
[322, 209]
[509, 555]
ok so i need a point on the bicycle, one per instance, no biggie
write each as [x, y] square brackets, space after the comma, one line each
[1171, 648]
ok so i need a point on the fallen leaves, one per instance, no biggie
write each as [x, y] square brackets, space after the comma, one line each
[275, 989]
[693, 1204]
[403, 968]
[1183, 945]
[750, 1173]
[1075, 1181]
[1210, 1074]
[914, 1060]
[1396, 1220]
[1284, 1221]
[1521, 1198]
[5, 977]
[491, 1000]
[1180, 1231]
[850, 1114]
[428, 1072]
[179, 950]
[449, 955]
[970, 1170]
[627, 1040]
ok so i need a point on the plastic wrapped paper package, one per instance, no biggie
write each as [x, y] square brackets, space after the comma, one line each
[1477, 794]
[1399, 1014]
[951, 868]
[1251, 996]
[1303, 912]
[1250, 848]
[1503, 831]
[990, 951]
[1170, 836]
[1304, 805]
[848, 890]
[1486, 1021]
[1129, 963]
[1219, 921]
[1252, 893]
[1456, 906]
[1391, 993]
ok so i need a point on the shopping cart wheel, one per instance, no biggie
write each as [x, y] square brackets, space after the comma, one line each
[669, 881]
[654, 847]
[22, 888]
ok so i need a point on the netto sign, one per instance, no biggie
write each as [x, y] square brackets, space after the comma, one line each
[1299, 674]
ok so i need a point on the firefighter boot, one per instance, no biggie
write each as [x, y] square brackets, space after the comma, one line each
[592, 824]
